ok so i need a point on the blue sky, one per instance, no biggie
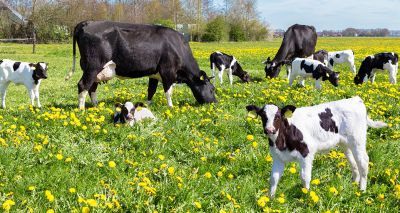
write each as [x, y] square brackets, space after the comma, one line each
[330, 14]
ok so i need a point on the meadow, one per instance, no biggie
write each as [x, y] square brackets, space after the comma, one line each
[194, 158]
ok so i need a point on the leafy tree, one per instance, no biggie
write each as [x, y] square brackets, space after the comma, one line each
[216, 30]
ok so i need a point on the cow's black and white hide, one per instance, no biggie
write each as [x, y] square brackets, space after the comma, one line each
[222, 61]
[131, 113]
[297, 134]
[309, 68]
[340, 57]
[25, 73]
[129, 50]
[298, 41]
[378, 62]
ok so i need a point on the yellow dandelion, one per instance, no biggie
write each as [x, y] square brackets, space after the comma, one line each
[316, 182]
[85, 209]
[250, 137]
[262, 201]
[8, 204]
[171, 170]
[161, 157]
[31, 188]
[112, 164]
[292, 170]
[50, 211]
[207, 175]
[197, 204]
[72, 190]
[91, 202]
[59, 156]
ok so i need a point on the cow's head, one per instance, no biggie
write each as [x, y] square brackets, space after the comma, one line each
[272, 117]
[364, 71]
[238, 71]
[203, 90]
[126, 112]
[245, 77]
[328, 74]
[39, 70]
[334, 78]
[272, 68]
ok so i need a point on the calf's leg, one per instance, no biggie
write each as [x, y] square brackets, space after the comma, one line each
[353, 165]
[221, 73]
[3, 88]
[276, 174]
[306, 168]
[230, 75]
[36, 92]
[362, 160]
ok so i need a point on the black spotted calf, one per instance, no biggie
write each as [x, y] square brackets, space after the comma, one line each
[222, 61]
[374, 63]
[131, 113]
[25, 73]
[297, 134]
[309, 68]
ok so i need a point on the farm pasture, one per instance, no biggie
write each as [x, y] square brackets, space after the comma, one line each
[194, 157]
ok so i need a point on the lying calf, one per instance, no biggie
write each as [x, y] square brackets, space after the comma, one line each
[312, 129]
[223, 61]
[374, 63]
[309, 68]
[25, 73]
[131, 114]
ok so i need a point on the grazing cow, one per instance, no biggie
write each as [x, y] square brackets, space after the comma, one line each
[309, 68]
[321, 56]
[135, 51]
[297, 134]
[25, 73]
[374, 63]
[223, 61]
[298, 41]
[129, 113]
[339, 57]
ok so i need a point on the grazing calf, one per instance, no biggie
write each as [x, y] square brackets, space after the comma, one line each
[131, 114]
[306, 68]
[223, 61]
[297, 134]
[339, 57]
[22, 73]
[373, 63]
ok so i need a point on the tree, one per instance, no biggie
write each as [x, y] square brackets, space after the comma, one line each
[216, 30]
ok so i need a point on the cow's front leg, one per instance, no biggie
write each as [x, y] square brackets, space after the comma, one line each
[305, 173]
[372, 78]
[318, 83]
[31, 93]
[230, 75]
[93, 94]
[3, 88]
[302, 81]
[221, 74]
[36, 92]
[392, 75]
[168, 95]
[84, 85]
[353, 68]
[276, 174]
[151, 90]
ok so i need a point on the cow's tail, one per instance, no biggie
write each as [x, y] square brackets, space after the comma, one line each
[69, 75]
[375, 124]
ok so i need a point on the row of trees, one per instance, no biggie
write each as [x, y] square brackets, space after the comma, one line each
[353, 32]
[55, 20]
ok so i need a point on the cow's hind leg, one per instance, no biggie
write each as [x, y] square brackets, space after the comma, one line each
[151, 90]
[84, 85]
[353, 165]
[93, 94]
[361, 157]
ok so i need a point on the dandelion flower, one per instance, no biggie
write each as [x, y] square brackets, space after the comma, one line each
[250, 137]
[8, 204]
[85, 209]
[207, 175]
[197, 204]
[112, 164]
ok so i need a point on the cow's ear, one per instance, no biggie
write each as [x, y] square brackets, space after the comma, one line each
[118, 107]
[287, 111]
[253, 111]
[266, 61]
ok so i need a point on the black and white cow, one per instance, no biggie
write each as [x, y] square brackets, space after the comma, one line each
[340, 57]
[321, 56]
[297, 134]
[223, 61]
[160, 53]
[381, 61]
[309, 68]
[25, 73]
[131, 113]
[298, 41]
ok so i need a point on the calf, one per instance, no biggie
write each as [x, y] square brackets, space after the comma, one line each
[25, 73]
[297, 134]
[305, 68]
[339, 57]
[131, 114]
[223, 61]
[321, 56]
[373, 63]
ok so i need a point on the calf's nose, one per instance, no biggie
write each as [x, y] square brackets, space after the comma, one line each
[270, 130]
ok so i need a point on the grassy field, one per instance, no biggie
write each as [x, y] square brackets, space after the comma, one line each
[194, 158]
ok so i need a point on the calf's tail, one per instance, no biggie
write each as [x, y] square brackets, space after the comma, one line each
[375, 124]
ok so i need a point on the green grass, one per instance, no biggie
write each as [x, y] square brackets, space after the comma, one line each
[165, 165]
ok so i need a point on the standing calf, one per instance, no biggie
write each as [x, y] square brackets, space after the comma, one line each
[22, 73]
[306, 68]
[313, 129]
[223, 61]
[373, 63]
[339, 57]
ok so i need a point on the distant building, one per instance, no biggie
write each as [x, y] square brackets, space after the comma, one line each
[394, 33]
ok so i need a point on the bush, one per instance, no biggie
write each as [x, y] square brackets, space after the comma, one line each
[237, 33]
[216, 30]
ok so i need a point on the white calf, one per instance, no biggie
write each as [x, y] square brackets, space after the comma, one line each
[339, 57]
[132, 113]
[22, 73]
[300, 134]
[309, 68]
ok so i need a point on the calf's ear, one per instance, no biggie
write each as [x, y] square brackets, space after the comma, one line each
[287, 111]
[139, 104]
[253, 111]
[118, 107]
